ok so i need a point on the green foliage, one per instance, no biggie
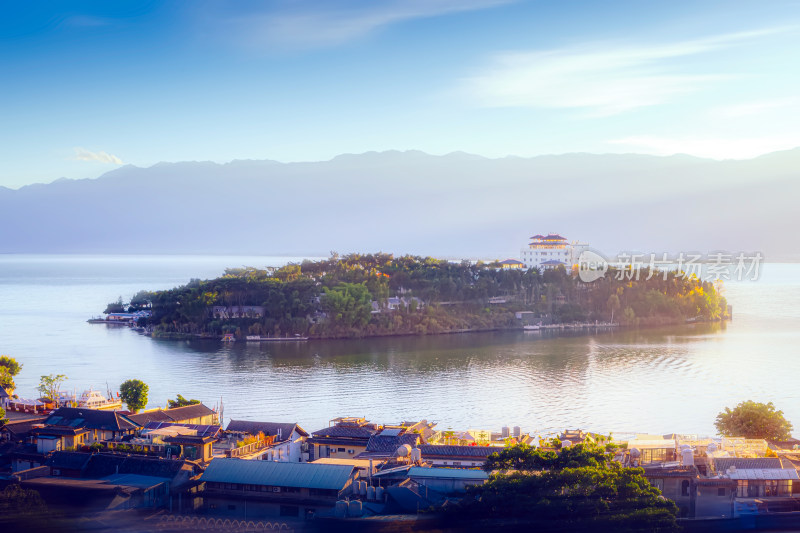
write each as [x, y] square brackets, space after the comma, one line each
[527, 458]
[3, 419]
[348, 304]
[115, 307]
[134, 393]
[10, 364]
[333, 297]
[180, 401]
[6, 379]
[50, 385]
[753, 420]
[577, 489]
[96, 447]
[16, 501]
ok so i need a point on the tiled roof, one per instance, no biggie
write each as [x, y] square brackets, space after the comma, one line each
[353, 432]
[79, 417]
[438, 450]
[68, 460]
[721, 464]
[203, 430]
[268, 428]
[178, 414]
[390, 443]
[674, 471]
[21, 428]
[103, 464]
[269, 473]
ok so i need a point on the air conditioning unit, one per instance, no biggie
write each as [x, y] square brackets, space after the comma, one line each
[276, 489]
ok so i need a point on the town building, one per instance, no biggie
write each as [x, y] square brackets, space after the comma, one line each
[551, 251]
[456, 456]
[288, 443]
[197, 414]
[71, 427]
[346, 437]
[261, 489]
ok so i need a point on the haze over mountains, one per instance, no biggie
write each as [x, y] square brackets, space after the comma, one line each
[457, 205]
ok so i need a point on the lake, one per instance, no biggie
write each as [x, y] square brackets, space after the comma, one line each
[661, 380]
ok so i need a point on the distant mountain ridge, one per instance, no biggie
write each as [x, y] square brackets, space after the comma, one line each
[456, 205]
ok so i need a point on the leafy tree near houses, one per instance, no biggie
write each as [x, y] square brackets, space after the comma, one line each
[10, 364]
[180, 401]
[50, 385]
[578, 488]
[6, 379]
[753, 420]
[3, 419]
[134, 393]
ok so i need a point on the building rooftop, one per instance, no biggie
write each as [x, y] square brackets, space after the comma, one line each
[763, 473]
[722, 464]
[447, 473]
[79, 417]
[352, 432]
[305, 475]
[439, 450]
[282, 429]
[178, 414]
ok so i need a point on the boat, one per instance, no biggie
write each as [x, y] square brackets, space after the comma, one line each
[253, 338]
[531, 328]
[90, 399]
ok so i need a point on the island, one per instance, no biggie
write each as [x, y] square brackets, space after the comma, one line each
[368, 295]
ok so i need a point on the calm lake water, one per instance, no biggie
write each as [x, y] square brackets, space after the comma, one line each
[657, 380]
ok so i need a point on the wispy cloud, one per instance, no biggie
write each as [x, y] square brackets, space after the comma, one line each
[329, 24]
[758, 107]
[710, 147]
[602, 79]
[82, 154]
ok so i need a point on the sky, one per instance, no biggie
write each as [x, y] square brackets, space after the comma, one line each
[88, 86]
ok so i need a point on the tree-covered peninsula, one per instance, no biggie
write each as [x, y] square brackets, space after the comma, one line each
[378, 294]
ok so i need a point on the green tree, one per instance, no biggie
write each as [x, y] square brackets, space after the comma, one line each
[348, 304]
[6, 379]
[134, 393]
[11, 364]
[3, 419]
[49, 386]
[577, 489]
[16, 502]
[180, 401]
[753, 420]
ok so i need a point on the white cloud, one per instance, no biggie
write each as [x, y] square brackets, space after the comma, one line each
[82, 154]
[710, 147]
[602, 79]
[327, 25]
[757, 108]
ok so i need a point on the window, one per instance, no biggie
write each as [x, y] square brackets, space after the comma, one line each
[456, 463]
[340, 450]
[685, 487]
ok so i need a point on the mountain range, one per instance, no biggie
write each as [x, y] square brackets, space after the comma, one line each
[455, 205]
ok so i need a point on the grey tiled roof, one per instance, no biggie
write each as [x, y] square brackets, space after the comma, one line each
[353, 432]
[721, 464]
[79, 417]
[390, 443]
[68, 460]
[102, 465]
[178, 414]
[439, 450]
[268, 428]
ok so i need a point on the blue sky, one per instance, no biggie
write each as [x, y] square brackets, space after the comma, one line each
[87, 86]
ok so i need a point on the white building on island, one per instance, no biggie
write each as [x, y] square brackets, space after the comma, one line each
[551, 251]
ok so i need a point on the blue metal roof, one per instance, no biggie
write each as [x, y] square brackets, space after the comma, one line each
[447, 473]
[268, 473]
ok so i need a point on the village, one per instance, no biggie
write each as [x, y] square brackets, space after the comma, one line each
[187, 465]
